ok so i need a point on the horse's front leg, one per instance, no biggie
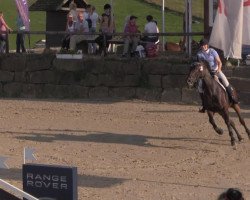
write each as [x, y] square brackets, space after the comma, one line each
[225, 114]
[211, 120]
[237, 109]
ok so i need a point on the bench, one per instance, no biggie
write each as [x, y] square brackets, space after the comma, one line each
[83, 45]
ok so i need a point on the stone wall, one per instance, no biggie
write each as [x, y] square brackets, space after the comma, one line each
[44, 76]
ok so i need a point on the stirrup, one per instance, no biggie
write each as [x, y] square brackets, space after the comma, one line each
[202, 110]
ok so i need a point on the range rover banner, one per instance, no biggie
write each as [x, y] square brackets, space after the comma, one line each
[50, 181]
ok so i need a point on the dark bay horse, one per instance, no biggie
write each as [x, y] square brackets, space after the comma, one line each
[216, 99]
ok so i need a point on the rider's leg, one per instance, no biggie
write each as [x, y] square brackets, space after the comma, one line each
[201, 92]
[228, 87]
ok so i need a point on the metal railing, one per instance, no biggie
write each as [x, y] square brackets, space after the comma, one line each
[188, 35]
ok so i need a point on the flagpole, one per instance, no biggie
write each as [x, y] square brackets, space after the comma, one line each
[163, 24]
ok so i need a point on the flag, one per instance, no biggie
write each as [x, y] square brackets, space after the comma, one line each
[2, 163]
[246, 21]
[22, 6]
[227, 32]
[29, 154]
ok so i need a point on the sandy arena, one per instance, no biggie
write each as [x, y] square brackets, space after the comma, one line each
[127, 149]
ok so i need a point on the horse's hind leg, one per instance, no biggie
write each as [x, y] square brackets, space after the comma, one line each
[225, 116]
[236, 131]
[211, 120]
[236, 107]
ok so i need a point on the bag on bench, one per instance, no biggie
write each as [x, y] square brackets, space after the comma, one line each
[151, 50]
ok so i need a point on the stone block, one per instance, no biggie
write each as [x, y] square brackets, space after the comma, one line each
[1, 90]
[12, 89]
[160, 67]
[149, 94]
[20, 77]
[67, 78]
[174, 81]
[180, 69]
[190, 96]
[240, 84]
[94, 66]
[32, 91]
[68, 65]
[36, 62]
[241, 72]
[244, 97]
[90, 80]
[228, 72]
[6, 76]
[154, 81]
[64, 91]
[13, 62]
[45, 76]
[171, 95]
[116, 81]
[124, 92]
[98, 92]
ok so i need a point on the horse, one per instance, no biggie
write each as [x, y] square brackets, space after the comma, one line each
[216, 100]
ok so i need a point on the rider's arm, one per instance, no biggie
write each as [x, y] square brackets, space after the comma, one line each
[217, 58]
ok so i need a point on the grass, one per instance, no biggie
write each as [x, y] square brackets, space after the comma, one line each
[173, 21]
[179, 6]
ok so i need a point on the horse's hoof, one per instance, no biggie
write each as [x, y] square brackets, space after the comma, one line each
[241, 140]
[233, 144]
[219, 131]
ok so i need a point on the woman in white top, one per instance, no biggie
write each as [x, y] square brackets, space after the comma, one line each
[151, 27]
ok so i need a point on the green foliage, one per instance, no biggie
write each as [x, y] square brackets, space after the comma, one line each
[173, 21]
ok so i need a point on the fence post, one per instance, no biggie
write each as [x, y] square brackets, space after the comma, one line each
[7, 42]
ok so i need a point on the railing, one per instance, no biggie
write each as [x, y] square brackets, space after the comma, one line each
[16, 191]
[188, 35]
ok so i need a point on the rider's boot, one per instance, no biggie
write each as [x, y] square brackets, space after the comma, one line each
[202, 109]
[232, 95]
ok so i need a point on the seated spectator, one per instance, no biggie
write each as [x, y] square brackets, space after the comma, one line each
[107, 29]
[151, 27]
[80, 27]
[3, 28]
[231, 194]
[70, 28]
[132, 40]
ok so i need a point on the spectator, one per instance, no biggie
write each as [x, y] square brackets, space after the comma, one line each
[20, 35]
[92, 17]
[106, 29]
[231, 194]
[151, 27]
[131, 39]
[3, 28]
[108, 11]
[73, 11]
[80, 27]
[70, 28]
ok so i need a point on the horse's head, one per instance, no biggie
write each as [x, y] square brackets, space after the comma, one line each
[197, 71]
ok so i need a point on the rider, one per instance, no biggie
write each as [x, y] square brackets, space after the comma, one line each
[213, 59]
